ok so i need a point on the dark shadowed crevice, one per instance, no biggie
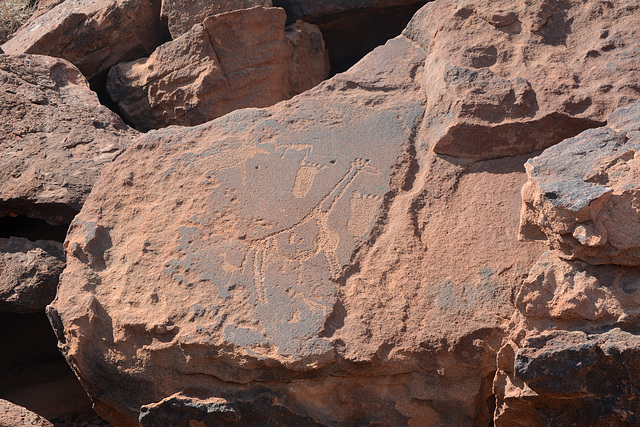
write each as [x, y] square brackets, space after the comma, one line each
[33, 372]
[31, 228]
[349, 36]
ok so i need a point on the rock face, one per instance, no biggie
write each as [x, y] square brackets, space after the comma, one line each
[54, 138]
[574, 351]
[233, 60]
[350, 256]
[30, 273]
[513, 77]
[583, 195]
[182, 15]
[13, 415]
[306, 241]
[92, 34]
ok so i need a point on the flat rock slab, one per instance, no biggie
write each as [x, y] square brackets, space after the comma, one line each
[507, 78]
[30, 272]
[232, 60]
[54, 138]
[583, 195]
[92, 34]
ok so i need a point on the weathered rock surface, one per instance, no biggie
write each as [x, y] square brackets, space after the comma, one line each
[233, 60]
[13, 415]
[54, 138]
[182, 15]
[321, 259]
[575, 351]
[583, 195]
[92, 34]
[507, 77]
[291, 252]
[30, 272]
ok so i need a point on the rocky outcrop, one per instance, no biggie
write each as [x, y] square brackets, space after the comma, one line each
[92, 34]
[233, 60]
[13, 415]
[583, 195]
[288, 258]
[507, 77]
[181, 15]
[573, 350]
[30, 273]
[54, 138]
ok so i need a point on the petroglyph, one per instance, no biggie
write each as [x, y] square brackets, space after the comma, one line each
[363, 210]
[311, 236]
[304, 178]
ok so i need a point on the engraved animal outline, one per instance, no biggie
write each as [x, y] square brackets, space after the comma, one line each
[326, 239]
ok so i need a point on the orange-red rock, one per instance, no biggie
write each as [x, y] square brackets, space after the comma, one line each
[182, 15]
[92, 34]
[233, 60]
[30, 273]
[54, 138]
[507, 77]
[13, 415]
[583, 195]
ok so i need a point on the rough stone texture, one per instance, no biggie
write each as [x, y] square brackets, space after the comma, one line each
[574, 356]
[182, 15]
[30, 273]
[234, 60]
[583, 195]
[54, 138]
[13, 415]
[507, 77]
[296, 254]
[92, 34]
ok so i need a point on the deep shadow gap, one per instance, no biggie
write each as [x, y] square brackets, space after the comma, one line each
[31, 228]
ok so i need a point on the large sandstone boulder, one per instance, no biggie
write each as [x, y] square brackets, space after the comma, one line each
[294, 257]
[181, 15]
[583, 195]
[509, 77]
[30, 273]
[54, 138]
[92, 34]
[233, 60]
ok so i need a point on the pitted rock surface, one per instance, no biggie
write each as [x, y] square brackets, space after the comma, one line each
[92, 34]
[508, 78]
[54, 138]
[583, 195]
[30, 272]
[232, 60]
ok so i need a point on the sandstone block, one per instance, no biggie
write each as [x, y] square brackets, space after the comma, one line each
[54, 138]
[583, 195]
[93, 35]
[507, 78]
[233, 60]
[182, 15]
[30, 272]
[575, 353]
